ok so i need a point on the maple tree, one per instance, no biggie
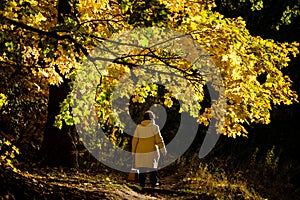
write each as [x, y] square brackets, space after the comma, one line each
[50, 39]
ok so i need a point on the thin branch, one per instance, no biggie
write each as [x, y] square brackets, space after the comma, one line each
[52, 34]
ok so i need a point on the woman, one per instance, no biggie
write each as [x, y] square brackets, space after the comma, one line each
[146, 143]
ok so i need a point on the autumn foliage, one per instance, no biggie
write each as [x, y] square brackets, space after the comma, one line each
[42, 41]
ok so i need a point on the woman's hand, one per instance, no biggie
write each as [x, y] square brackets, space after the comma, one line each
[163, 151]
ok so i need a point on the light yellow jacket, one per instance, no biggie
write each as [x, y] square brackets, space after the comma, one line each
[146, 142]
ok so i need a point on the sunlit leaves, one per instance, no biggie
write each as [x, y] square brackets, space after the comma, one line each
[8, 152]
[33, 38]
[256, 5]
[289, 15]
[2, 100]
[65, 115]
[241, 59]
[31, 12]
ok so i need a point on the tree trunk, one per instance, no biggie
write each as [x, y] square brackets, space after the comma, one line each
[58, 147]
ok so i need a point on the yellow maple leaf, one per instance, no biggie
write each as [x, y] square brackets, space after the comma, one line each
[40, 17]
[7, 143]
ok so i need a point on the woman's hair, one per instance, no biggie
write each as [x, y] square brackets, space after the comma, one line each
[149, 115]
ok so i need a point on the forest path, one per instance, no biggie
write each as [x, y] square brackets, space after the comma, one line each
[55, 183]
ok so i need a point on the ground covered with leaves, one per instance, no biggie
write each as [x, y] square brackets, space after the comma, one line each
[65, 183]
[59, 183]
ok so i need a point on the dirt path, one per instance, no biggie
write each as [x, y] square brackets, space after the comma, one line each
[57, 184]
[168, 189]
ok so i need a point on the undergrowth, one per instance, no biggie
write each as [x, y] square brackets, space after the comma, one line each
[259, 178]
[217, 183]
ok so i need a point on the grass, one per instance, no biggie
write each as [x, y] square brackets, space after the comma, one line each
[259, 180]
[218, 184]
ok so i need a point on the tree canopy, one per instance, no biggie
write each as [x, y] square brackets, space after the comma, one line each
[50, 39]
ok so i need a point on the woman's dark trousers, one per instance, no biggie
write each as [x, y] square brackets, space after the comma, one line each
[143, 175]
